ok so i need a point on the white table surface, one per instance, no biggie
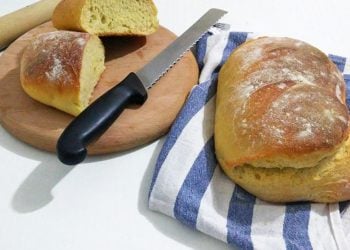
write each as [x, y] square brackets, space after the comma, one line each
[102, 203]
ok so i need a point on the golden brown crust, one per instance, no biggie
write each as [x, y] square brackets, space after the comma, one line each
[50, 68]
[327, 182]
[280, 103]
[67, 13]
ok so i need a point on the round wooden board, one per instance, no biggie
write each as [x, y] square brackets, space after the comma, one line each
[40, 125]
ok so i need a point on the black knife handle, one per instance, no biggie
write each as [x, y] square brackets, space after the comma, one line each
[97, 118]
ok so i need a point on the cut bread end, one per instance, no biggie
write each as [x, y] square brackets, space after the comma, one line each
[119, 17]
[91, 70]
[61, 69]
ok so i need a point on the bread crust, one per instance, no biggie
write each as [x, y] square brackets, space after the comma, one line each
[280, 103]
[282, 124]
[67, 13]
[51, 66]
[327, 182]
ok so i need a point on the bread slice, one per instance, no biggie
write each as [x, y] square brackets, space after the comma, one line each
[105, 18]
[62, 68]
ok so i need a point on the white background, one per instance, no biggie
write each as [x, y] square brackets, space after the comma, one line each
[102, 204]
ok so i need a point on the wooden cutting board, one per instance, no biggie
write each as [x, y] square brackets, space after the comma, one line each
[40, 125]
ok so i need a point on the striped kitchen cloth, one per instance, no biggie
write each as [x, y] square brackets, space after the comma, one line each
[189, 186]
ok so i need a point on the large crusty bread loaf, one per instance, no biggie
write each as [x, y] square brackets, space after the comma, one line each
[281, 114]
[105, 18]
[62, 68]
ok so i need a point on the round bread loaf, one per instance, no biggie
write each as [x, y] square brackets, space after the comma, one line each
[62, 68]
[281, 122]
[106, 18]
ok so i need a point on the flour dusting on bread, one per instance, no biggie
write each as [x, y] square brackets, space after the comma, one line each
[281, 122]
[290, 97]
[56, 70]
[60, 50]
[61, 69]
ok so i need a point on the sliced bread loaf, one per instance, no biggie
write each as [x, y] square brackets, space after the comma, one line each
[106, 18]
[62, 68]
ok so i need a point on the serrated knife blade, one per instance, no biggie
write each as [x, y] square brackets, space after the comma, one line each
[155, 69]
[100, 115]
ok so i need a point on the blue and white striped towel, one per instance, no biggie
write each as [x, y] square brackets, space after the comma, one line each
[189, 186]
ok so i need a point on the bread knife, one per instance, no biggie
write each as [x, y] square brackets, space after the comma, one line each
[101, 114]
